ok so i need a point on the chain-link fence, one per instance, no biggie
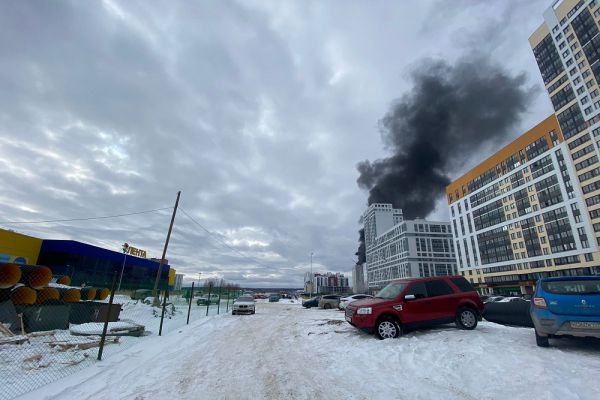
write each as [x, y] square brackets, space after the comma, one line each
[50, 327]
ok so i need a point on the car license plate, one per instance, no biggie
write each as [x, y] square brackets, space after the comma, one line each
[585, 325]
[348, 318]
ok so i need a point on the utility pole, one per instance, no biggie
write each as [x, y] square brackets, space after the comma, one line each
[125, 250]
[164, 254]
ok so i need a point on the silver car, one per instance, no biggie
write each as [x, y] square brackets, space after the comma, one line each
[244, 305]
[329, 301]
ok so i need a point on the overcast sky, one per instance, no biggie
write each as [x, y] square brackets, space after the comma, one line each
[258, 111]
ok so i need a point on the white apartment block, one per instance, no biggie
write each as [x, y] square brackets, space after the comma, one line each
[397, 248]
[533, 208]
[520, 215]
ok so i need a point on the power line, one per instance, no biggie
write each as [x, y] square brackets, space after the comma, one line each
[214, 236]
[85, 219]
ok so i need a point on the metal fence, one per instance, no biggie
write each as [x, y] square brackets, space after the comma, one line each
[50, 329]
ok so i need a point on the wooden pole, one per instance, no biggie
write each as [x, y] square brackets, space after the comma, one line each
[164, 254]
[110, 303]
[208, 302]
[162, 316]
[219, 303]
[190, 305]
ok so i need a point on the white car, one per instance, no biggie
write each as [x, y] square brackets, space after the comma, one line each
[510, 299]
[344, 301]
[243, 305]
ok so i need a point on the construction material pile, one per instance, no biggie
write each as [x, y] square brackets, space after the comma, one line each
[31, 299]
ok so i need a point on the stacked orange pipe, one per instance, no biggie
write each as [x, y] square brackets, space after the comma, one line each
[63, 279]
[47, 294]
[70, 295]
[102, 294]
[35, 276]
[88, 293]
[23, 295]
[10, 275]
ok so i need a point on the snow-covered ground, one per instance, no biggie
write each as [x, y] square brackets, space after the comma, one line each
[50, 357]
[287, 352]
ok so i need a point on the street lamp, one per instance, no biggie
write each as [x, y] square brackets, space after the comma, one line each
[312, 277]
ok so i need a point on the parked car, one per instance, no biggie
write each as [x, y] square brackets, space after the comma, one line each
[205, 300]
[344, 301]
[329, 301]
[510, 299]
[243, 305]
[314, 302]
[418, 302]
[273, 298]
[566, 306]
[493, 299]
[512, 312]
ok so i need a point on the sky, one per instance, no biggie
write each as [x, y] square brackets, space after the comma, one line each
[258, 111]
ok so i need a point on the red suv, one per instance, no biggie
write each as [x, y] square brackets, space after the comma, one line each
[417, 302]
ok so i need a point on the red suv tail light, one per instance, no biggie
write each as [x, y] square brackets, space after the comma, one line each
[540, 302]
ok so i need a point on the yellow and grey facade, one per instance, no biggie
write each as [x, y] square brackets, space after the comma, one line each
[533, 208]
[521, 215]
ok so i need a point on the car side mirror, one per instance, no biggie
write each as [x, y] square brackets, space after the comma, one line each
[409, 297]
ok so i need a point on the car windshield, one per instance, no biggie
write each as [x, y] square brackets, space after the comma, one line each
[391, 291]
[572, 287]
[245, 298]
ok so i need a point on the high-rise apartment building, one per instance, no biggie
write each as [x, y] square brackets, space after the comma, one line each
[521, 214]
[379, 218]
[533, 208]
[398, 248]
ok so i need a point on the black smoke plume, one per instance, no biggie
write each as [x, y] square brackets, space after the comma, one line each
[361, 253]
[451, 113]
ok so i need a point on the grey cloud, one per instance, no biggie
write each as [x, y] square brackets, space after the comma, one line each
[257, 111]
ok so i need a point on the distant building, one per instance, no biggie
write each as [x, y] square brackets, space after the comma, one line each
[398, 248]
[178, 281]
[308, 283]
[358, 279]
[326, 283]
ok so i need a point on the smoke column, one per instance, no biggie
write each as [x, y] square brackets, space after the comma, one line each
[361, 253]
[451, 113]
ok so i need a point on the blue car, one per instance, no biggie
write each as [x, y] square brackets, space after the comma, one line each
[274, 298]
[314, 302]
[566, 306]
